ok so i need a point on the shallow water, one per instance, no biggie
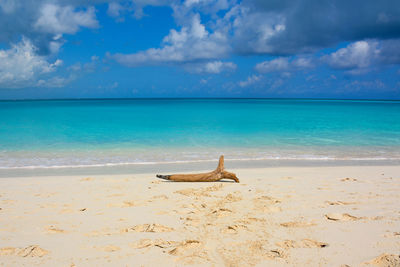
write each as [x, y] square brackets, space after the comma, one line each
[82, 133]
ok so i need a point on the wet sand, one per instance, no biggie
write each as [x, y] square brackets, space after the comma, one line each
[286, 216]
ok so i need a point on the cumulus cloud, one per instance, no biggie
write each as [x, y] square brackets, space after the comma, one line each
[284, 27]
[44, 22]
[191, 43]
[356, 55]
[213, 67]
[251, 80]
[277, 27]
[356, 58]
[64, 19]
[209, 31]
[203, 6]
[356, 86]
[54, 82]
[359, 57]
[284, 64]
[20, 66]
[32, 31]
[114, 9]
[279, 64]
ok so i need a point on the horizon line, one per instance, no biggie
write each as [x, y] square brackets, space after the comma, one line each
[191, 98]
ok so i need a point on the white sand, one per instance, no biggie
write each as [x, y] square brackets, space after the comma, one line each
[324, 216]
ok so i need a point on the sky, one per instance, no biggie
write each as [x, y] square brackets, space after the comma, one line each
[199, 48]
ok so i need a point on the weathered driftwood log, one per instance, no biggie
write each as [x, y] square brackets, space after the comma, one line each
[213, 176]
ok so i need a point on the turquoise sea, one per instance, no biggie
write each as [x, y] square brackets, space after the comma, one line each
[81, 133]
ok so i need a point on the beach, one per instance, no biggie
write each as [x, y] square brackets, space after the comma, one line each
[277, 216]
[319, 182]
[199, 133]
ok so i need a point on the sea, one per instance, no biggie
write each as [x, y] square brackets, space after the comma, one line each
[135, 135]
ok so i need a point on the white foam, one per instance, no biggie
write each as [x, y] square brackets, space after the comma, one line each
[273, 158]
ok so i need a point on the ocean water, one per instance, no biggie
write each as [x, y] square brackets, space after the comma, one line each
[82, 133]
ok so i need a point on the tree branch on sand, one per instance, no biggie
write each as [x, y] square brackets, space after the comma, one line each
[216, 175]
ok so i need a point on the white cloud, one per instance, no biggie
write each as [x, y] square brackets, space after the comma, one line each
[64, 19]
[20, 66]
[250, 80]
[278, 64]
[54, 82]
[362, 85]
[193, 42]
[363, 56]
[284, 64]
[285, 27]
[254, 30]
[356, 55]
[207, 6]
[44, 22]
[302, 63]
[213, 67]
[114, 9]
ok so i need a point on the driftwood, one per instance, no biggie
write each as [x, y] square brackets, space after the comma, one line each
[216, 175]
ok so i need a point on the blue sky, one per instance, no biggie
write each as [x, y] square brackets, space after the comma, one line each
[199, 48]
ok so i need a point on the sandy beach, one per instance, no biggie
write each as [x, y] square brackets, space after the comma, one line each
[283, 216]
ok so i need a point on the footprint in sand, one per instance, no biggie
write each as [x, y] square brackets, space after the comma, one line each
[386, 260]
[190, 221]
[256, 251]
[348, 179]
[265, 204]
[53, 230]
[158, 197]
[234, 229]
[342, 217]
[233, 197]
[305, 243]
[128, 204]
[190, 252]
[146, 243]
[201, 192]
[257, 248]
[150, 228]
[31, 251]
[338, 203]
[275, 253]
[192, 192]
[213, 188]
[185, 247]
[221, 212]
